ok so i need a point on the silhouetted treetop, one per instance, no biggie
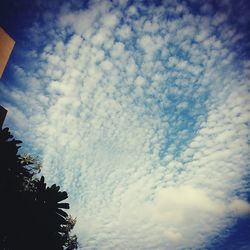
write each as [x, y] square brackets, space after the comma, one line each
[33, 213]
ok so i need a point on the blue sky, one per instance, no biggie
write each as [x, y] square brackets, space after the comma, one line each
[140, 110]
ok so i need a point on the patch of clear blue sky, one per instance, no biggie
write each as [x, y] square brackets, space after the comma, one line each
[17, 17]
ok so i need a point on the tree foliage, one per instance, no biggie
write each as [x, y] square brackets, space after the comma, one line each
[32, 214]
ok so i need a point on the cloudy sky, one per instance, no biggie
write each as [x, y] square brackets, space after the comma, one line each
[140, 110]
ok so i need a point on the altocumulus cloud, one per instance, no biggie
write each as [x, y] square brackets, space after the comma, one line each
[141, 113]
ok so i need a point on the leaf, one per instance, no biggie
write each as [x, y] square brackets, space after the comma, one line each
[63, 205]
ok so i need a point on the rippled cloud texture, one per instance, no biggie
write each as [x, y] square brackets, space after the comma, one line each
[142, 114]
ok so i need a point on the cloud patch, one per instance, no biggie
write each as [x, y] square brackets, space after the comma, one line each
[141, 114]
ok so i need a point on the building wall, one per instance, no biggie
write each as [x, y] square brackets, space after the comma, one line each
[3, 113]
[6, 46]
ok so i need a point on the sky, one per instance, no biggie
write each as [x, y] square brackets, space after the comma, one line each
[140, 111]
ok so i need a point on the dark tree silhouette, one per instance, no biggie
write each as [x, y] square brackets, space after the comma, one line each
[32, 215]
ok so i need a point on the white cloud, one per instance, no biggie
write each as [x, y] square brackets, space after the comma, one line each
[240, 207]
[175, 204]
[150, 26]
[218, 19]
[80, 21]
[132, 11]
[150, 44]
[100, 38]
[151, 146]
[139, 81]
[106, 65]
[124, 31]
[110, 20]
